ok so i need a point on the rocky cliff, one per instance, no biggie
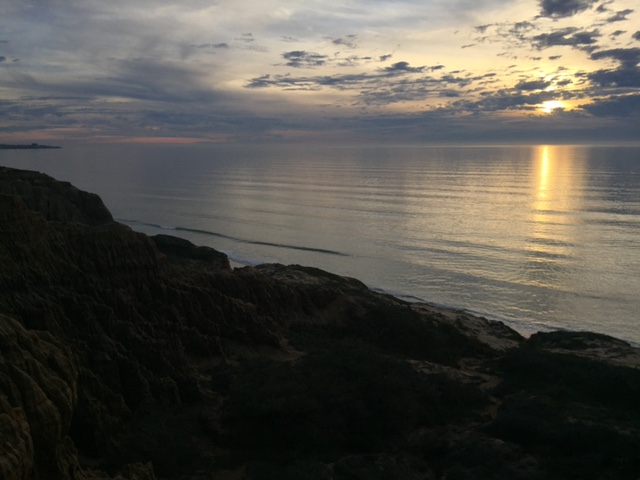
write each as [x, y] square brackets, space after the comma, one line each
[134, 357]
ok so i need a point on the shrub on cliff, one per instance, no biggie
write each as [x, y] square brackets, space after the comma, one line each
[577, 415]
[349, 398]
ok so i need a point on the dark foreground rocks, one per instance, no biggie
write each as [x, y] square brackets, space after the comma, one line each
[133, 357]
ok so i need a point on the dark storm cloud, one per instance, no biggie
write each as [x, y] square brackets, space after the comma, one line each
[617, 33]
[532, 85]
[636, 36]
[564, 8]
[555, 57]
[620, 106]
[619, 16]
[2, 58]
[304, 59]
[569, 36]
[384, 58]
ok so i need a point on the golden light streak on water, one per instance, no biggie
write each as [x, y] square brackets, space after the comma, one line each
[552, 234]
[544, 172]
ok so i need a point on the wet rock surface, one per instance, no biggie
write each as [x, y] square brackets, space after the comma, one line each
[134, 357]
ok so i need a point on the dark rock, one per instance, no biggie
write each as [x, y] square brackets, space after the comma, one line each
[181, 249]
[124, 356]
[57, 201]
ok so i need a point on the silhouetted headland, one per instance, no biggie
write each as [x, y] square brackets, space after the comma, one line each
[129, 357]
[31, 146]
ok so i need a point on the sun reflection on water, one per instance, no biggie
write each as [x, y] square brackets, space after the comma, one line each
[544, 172]
[557, 196]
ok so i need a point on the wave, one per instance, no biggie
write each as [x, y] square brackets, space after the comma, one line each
[236, 239]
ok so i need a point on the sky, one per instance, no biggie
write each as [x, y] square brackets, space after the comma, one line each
[403, 71]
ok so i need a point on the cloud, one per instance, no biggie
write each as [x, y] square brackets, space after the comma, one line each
[627, 75]
[619, 16]
[348, 41]
[564, 8]
[569, 36]
[603, 6]
[505, 100]
[619, 106]
[125, 66]
[403, 67]
[628, 57]
[532, 85]
[304, 59]
[397, 83]
[212, 45]
[621, 77]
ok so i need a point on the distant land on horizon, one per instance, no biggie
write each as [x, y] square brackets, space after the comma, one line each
[34, 146]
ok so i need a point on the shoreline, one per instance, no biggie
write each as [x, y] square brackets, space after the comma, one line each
[521, 327]
[525, 327]
[452, 311]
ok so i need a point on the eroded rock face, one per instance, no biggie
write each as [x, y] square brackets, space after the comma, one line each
[125, 357]
[39, 382]
[133, 319]
[57, 201]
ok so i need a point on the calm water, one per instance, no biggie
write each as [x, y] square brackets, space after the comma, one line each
[538, 236]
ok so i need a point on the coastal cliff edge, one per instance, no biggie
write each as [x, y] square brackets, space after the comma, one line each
[124, 356]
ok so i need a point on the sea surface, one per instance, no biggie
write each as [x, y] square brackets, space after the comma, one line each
[540, 237]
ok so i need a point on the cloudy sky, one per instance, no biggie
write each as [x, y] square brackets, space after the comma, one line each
[317, 71]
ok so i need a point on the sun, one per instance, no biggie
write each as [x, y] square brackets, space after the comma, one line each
[551, 105]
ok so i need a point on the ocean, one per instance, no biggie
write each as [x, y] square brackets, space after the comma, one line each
[541, 237]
